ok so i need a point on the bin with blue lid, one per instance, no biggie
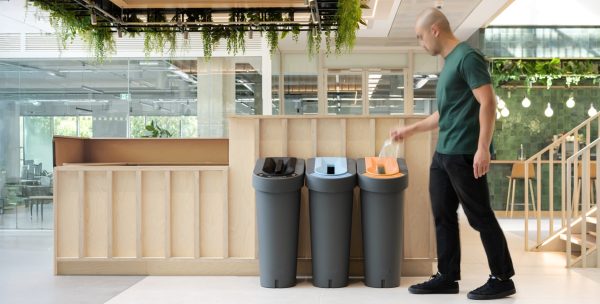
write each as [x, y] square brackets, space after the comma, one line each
[331, 182]
[382, 182]
[278, 182]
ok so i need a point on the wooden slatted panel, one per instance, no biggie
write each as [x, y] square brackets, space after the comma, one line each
[124, 214]
[212, 234]
[95, 214]
[182, 213]
[153, 214]
[67, 210]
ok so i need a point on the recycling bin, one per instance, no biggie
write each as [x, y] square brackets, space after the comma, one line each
[382, 182]
[277, 182]
[331, 182]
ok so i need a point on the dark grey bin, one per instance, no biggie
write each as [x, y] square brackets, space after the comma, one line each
[277, 182]
[382, 201]
[331, 183]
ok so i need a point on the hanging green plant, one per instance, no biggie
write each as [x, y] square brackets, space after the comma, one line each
[544, 71]
[348, 17]
[68, 25]
[156, 38]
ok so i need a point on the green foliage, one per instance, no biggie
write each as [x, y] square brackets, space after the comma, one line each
[67, 25]
[348, 17]
[156, 38]
[154, 130]
[68, 21]
[543, 71]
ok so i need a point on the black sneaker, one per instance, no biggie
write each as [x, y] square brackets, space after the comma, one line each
[436, 284]
[494, 288]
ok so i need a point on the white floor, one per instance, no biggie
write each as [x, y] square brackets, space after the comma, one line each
[25, 277]
[541, 278]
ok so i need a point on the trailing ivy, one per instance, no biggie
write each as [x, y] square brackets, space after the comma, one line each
[348, 17]
[70, 19]
[156, 38]
[544, 71]
[68, 25]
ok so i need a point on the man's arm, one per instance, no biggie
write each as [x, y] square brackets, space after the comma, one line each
[487, 114]
[426, 124]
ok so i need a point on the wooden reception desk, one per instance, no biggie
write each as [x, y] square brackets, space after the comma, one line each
[187, 207]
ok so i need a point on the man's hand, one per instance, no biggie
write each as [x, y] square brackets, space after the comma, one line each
[481, 162]
[401, 133]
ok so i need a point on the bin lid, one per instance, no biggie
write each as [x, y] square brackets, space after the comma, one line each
[277, 166]
[341, 177]
[331, 166]
[382, 166]
[278, 174]
[383, 183]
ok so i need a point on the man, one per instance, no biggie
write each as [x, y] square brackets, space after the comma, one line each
[465, 117]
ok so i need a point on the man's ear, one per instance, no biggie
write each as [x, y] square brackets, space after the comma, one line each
[435, 30]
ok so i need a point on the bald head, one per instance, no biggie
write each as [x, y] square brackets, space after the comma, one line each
[432, 16]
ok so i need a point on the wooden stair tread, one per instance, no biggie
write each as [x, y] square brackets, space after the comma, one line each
[577, 238]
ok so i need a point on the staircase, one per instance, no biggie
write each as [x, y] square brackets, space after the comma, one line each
[576, 235]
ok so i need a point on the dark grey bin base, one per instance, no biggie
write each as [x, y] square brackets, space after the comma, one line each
[382, 238]
[278, 215]
[331, 225]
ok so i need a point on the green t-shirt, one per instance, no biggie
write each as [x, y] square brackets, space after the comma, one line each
[464, 69]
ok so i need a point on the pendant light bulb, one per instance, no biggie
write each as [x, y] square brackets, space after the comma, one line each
[592, 111]
[526, 103]
[548, 112]
[571, 102]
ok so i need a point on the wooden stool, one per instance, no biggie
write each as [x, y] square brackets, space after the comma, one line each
[518, 173]
[576, 195]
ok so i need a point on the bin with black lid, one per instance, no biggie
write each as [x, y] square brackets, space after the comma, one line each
[277, 182]
[382, 182]
[331, 182]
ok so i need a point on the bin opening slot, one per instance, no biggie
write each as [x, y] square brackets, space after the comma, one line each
[331, 165]
[279, 166]
[382, 165]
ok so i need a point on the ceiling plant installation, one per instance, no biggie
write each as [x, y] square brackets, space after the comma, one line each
[100, 22]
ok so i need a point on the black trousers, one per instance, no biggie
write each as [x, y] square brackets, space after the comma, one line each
[451, 181]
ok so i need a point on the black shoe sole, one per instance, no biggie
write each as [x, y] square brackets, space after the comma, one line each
[504, 294]
[429, 291]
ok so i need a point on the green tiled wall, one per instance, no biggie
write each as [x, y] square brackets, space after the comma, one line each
[529, 126]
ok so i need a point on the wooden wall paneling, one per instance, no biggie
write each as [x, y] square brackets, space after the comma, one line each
[196, 188]
[124, 212]
[67, 214]
[356, 245]
[244, 150]
[314, 137]
[329, 138]
[183, 213]
[299, 138]
[153, 214]
[211, 215]
[360, 141]
[81, 212]
[417, 208]
[167, 206]
[284, 137]
[304, 246]
[272, 138]
[109, 213]
[225, 216]
[95, 215]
